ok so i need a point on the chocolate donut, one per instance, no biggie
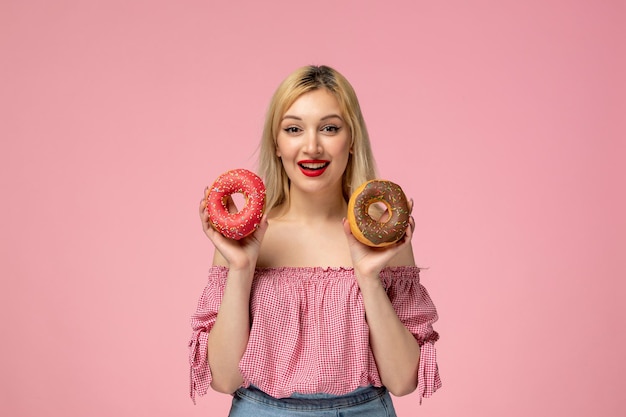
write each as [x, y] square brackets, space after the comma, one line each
[245, 221]
[373, 232]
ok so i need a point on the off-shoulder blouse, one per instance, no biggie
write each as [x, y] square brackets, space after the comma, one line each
[309, 333]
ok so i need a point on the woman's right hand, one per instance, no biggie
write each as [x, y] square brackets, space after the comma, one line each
[239, 254]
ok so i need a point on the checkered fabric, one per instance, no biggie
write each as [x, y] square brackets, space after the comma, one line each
[308, 331]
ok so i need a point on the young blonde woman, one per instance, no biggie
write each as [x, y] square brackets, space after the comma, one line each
[300, 318]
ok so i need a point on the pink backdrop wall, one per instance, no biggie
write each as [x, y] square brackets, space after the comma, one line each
[504, 120]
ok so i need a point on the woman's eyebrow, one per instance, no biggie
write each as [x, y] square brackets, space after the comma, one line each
[288, 116]
[330, 116]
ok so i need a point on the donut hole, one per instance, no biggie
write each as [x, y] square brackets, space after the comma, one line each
[379, 211]
[234, 202]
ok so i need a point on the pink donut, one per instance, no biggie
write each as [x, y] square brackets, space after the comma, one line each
[245, 221]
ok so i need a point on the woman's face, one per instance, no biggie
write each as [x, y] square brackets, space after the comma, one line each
[314, 142]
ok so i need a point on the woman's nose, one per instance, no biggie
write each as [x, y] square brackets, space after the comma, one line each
[313, 145]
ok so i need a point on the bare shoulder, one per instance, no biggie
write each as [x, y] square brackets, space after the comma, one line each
[270, 248]
[404, 257]
[273, 242]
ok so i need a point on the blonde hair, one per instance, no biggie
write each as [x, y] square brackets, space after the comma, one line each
[361, 166]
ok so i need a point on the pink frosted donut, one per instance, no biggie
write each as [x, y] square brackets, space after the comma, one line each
[245, 221]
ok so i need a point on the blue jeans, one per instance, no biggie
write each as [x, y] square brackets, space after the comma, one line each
[363, 402]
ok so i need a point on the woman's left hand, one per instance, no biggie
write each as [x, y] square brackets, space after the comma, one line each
[368, 261]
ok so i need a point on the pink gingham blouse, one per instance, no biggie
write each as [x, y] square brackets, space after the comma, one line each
[308, 330]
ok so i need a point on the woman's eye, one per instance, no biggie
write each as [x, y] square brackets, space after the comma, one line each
[292, 129]
[330, 129]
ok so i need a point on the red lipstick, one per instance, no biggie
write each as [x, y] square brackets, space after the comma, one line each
[313, 167]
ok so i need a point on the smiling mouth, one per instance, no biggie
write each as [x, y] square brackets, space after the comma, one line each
[313, 166]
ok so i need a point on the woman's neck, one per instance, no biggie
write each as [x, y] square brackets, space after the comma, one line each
[314, 207]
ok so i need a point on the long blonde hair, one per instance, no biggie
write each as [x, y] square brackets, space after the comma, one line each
[361, 166]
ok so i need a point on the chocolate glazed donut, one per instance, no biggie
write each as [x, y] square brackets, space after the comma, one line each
[373, 232]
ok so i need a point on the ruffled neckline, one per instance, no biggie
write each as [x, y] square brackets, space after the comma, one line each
[305, 273]
[314, 269]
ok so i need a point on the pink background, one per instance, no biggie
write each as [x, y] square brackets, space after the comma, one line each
[504, 120]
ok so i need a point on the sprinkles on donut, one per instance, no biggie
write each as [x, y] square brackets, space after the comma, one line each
[373, 232]
[244, 222]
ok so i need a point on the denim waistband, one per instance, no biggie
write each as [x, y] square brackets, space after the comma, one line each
[314, 402]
